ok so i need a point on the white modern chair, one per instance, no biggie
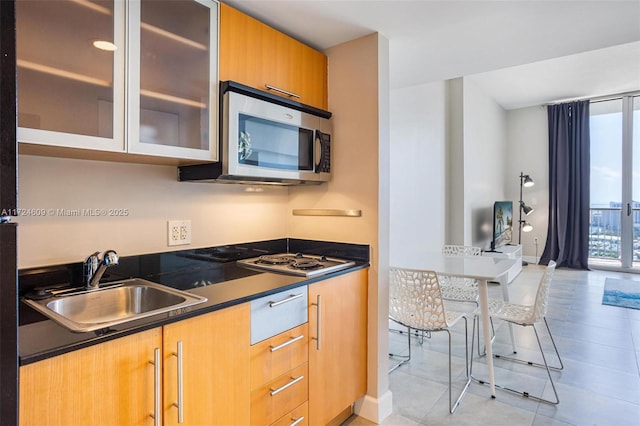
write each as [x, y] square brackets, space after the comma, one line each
[459, 289]
[527, 315]
[415, 301]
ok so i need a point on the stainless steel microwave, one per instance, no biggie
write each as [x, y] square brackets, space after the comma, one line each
[268, 139]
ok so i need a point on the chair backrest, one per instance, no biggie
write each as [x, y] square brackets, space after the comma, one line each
[453, 250]
[542, 296]
[415, 299]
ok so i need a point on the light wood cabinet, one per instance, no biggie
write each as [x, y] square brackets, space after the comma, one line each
[113, 383]
[137, 97]
[308, 374]
[279, 354]
[107, 384]
[257, 55]
[274, 399]
[279, 363]
[338, 346]
[215, 362]
[299, 416]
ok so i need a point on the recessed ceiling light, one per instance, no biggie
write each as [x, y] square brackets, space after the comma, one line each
[104, 45]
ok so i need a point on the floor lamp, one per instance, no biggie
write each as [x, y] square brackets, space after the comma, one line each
[523, 225]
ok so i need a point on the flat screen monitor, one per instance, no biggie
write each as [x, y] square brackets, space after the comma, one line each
[502, 224]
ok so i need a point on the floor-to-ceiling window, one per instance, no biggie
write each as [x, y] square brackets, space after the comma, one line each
[614, 238]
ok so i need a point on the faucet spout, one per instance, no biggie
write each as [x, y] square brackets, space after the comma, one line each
[109, 258]
[90, 266]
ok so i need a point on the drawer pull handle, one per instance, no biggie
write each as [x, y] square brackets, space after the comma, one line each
[297, 421]
[287, 343]
[293, 381]
[157, 383]
[180, 404]
[288, 299]
[284, 92]
[318, 322]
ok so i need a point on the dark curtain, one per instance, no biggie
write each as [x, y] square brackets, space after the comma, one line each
[568, 232]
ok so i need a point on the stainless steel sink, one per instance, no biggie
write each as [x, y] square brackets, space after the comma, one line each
[116, 303]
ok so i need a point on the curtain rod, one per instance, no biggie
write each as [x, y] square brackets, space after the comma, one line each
[595, 98]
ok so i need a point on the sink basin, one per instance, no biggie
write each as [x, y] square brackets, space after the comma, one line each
[116, 303]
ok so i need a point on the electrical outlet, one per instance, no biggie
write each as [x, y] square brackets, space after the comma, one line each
[178, 232]
[185, 232]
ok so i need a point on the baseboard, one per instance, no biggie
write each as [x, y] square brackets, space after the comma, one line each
[374, 409]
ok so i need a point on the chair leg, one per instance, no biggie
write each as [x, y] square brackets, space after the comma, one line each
[405, 358]
[420, 335]
[558, 368]
[545, 365]
[452, 407]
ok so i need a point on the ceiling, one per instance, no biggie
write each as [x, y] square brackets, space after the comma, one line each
[520, 52]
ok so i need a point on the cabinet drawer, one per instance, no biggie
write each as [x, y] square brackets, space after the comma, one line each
[279, 354]
[273, 314]
[297, 417]
[280, 396]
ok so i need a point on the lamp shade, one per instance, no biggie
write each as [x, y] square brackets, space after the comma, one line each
[526, 209]
[526, 226]
[527, 181]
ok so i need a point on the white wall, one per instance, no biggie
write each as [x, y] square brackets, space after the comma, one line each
[448, 162]
[455, 172]
[528, 152]
[485, 154]
[219, 214]
[451, 140]
[418, 171]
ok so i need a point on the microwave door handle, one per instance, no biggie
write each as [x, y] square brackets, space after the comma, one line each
[317, 151]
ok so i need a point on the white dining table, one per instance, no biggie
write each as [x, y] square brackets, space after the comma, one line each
[482, 269]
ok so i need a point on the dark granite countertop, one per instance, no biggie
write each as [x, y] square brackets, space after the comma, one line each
[224, 284]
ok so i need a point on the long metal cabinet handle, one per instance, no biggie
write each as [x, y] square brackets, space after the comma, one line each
[287, 343]
[284, 92]
[180, 403]
[297, 421]
[288, 299]
[293, 381]
[157, 380]
[318, 322]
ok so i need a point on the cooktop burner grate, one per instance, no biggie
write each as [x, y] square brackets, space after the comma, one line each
[305, 264]
[271, 259]
[296, 264]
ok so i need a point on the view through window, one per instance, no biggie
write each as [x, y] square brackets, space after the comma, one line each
[614, 234]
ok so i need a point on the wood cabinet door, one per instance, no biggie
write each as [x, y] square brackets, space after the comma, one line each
[257, 55]
[215, 354]
[312, 77]
[338, 360]
[243, 48]
[107, 384]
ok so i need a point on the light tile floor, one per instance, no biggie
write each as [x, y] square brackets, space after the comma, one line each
[599, 345]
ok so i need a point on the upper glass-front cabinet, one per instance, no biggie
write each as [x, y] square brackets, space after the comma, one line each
[174, 74]
[70, 92]
[75, 91]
